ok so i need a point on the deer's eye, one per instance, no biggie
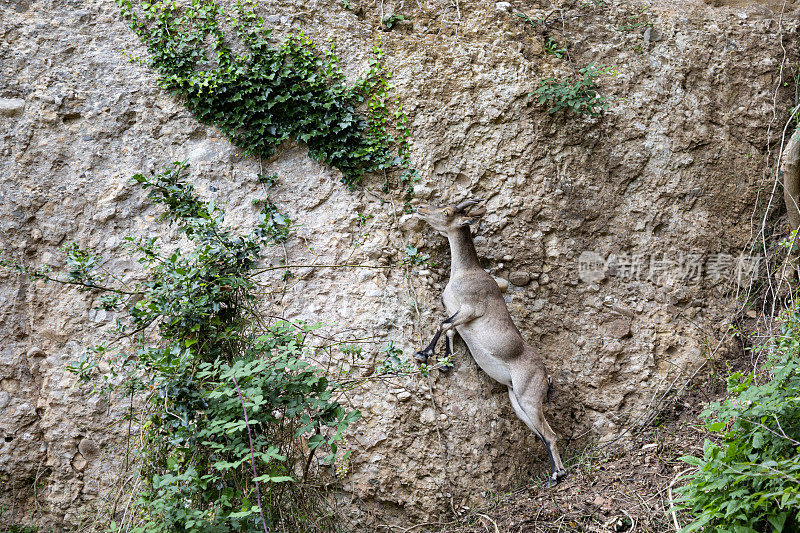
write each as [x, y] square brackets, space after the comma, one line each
[446, 213]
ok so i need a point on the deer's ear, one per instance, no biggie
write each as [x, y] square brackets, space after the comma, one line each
[472, 217]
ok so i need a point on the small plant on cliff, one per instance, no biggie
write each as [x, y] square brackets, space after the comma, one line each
[636, 20]
[229, 405]
[391, 20]
[553, 47]
[259, 94]
[748, 479]
[578, 95]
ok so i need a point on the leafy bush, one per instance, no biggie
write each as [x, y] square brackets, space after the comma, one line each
[579, 96]
[267, 94]
[229, 405]
[748, 479]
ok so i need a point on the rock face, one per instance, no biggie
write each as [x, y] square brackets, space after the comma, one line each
[661, 189]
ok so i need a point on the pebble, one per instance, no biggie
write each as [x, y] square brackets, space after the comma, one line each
[519, 278]
[652, 35]
[404, 396]
[11, 107]
[503, 6]
[35, 351]
[79, 463]
[502, 283]
[88, 448]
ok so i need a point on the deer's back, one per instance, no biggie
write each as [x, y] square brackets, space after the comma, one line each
[492, 338]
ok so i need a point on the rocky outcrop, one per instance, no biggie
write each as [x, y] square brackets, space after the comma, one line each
[658, 193]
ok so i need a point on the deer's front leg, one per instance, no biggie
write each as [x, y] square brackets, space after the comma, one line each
[464, 314]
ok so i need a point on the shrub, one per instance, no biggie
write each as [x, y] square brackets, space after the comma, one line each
[225, 404]
[748, 479]
[578, 95]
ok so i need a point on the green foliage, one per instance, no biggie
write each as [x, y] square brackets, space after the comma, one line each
[391, 20]
[259, 94]
[748, 479]
[267, 181]
[395, 363]
[636, 20]
[414, 257]
[552, 47]
[529, 20]
[228, 399]
[577, 95]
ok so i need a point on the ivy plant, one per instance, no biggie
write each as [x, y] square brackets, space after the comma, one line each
[223, 64]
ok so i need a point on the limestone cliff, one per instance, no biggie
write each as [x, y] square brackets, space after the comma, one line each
[657, 195]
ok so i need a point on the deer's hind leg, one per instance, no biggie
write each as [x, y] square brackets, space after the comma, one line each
[527, 397]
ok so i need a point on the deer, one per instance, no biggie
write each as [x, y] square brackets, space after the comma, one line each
[478, 312]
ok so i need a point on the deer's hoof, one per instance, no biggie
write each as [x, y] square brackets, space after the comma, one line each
[421, 356]
[555, 477]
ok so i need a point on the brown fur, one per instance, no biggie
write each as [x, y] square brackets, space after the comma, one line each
[479, 314]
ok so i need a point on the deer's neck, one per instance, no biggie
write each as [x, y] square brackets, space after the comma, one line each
[462, 251]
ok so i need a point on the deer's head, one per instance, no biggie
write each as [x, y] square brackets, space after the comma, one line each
[451, 217]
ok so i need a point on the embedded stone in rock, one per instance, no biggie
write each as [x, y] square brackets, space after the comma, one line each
[520, 279]
[9, 385]
[88, 448]
[617, 328]
[35, 351]
[11, 107]
[538, 305]
[613, 348]
[410, 223]
[35, 357]
[79, 463]
[502, 283]
[422, 192]
[652, 35]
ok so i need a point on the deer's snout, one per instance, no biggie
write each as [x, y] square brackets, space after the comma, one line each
[421, 210]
